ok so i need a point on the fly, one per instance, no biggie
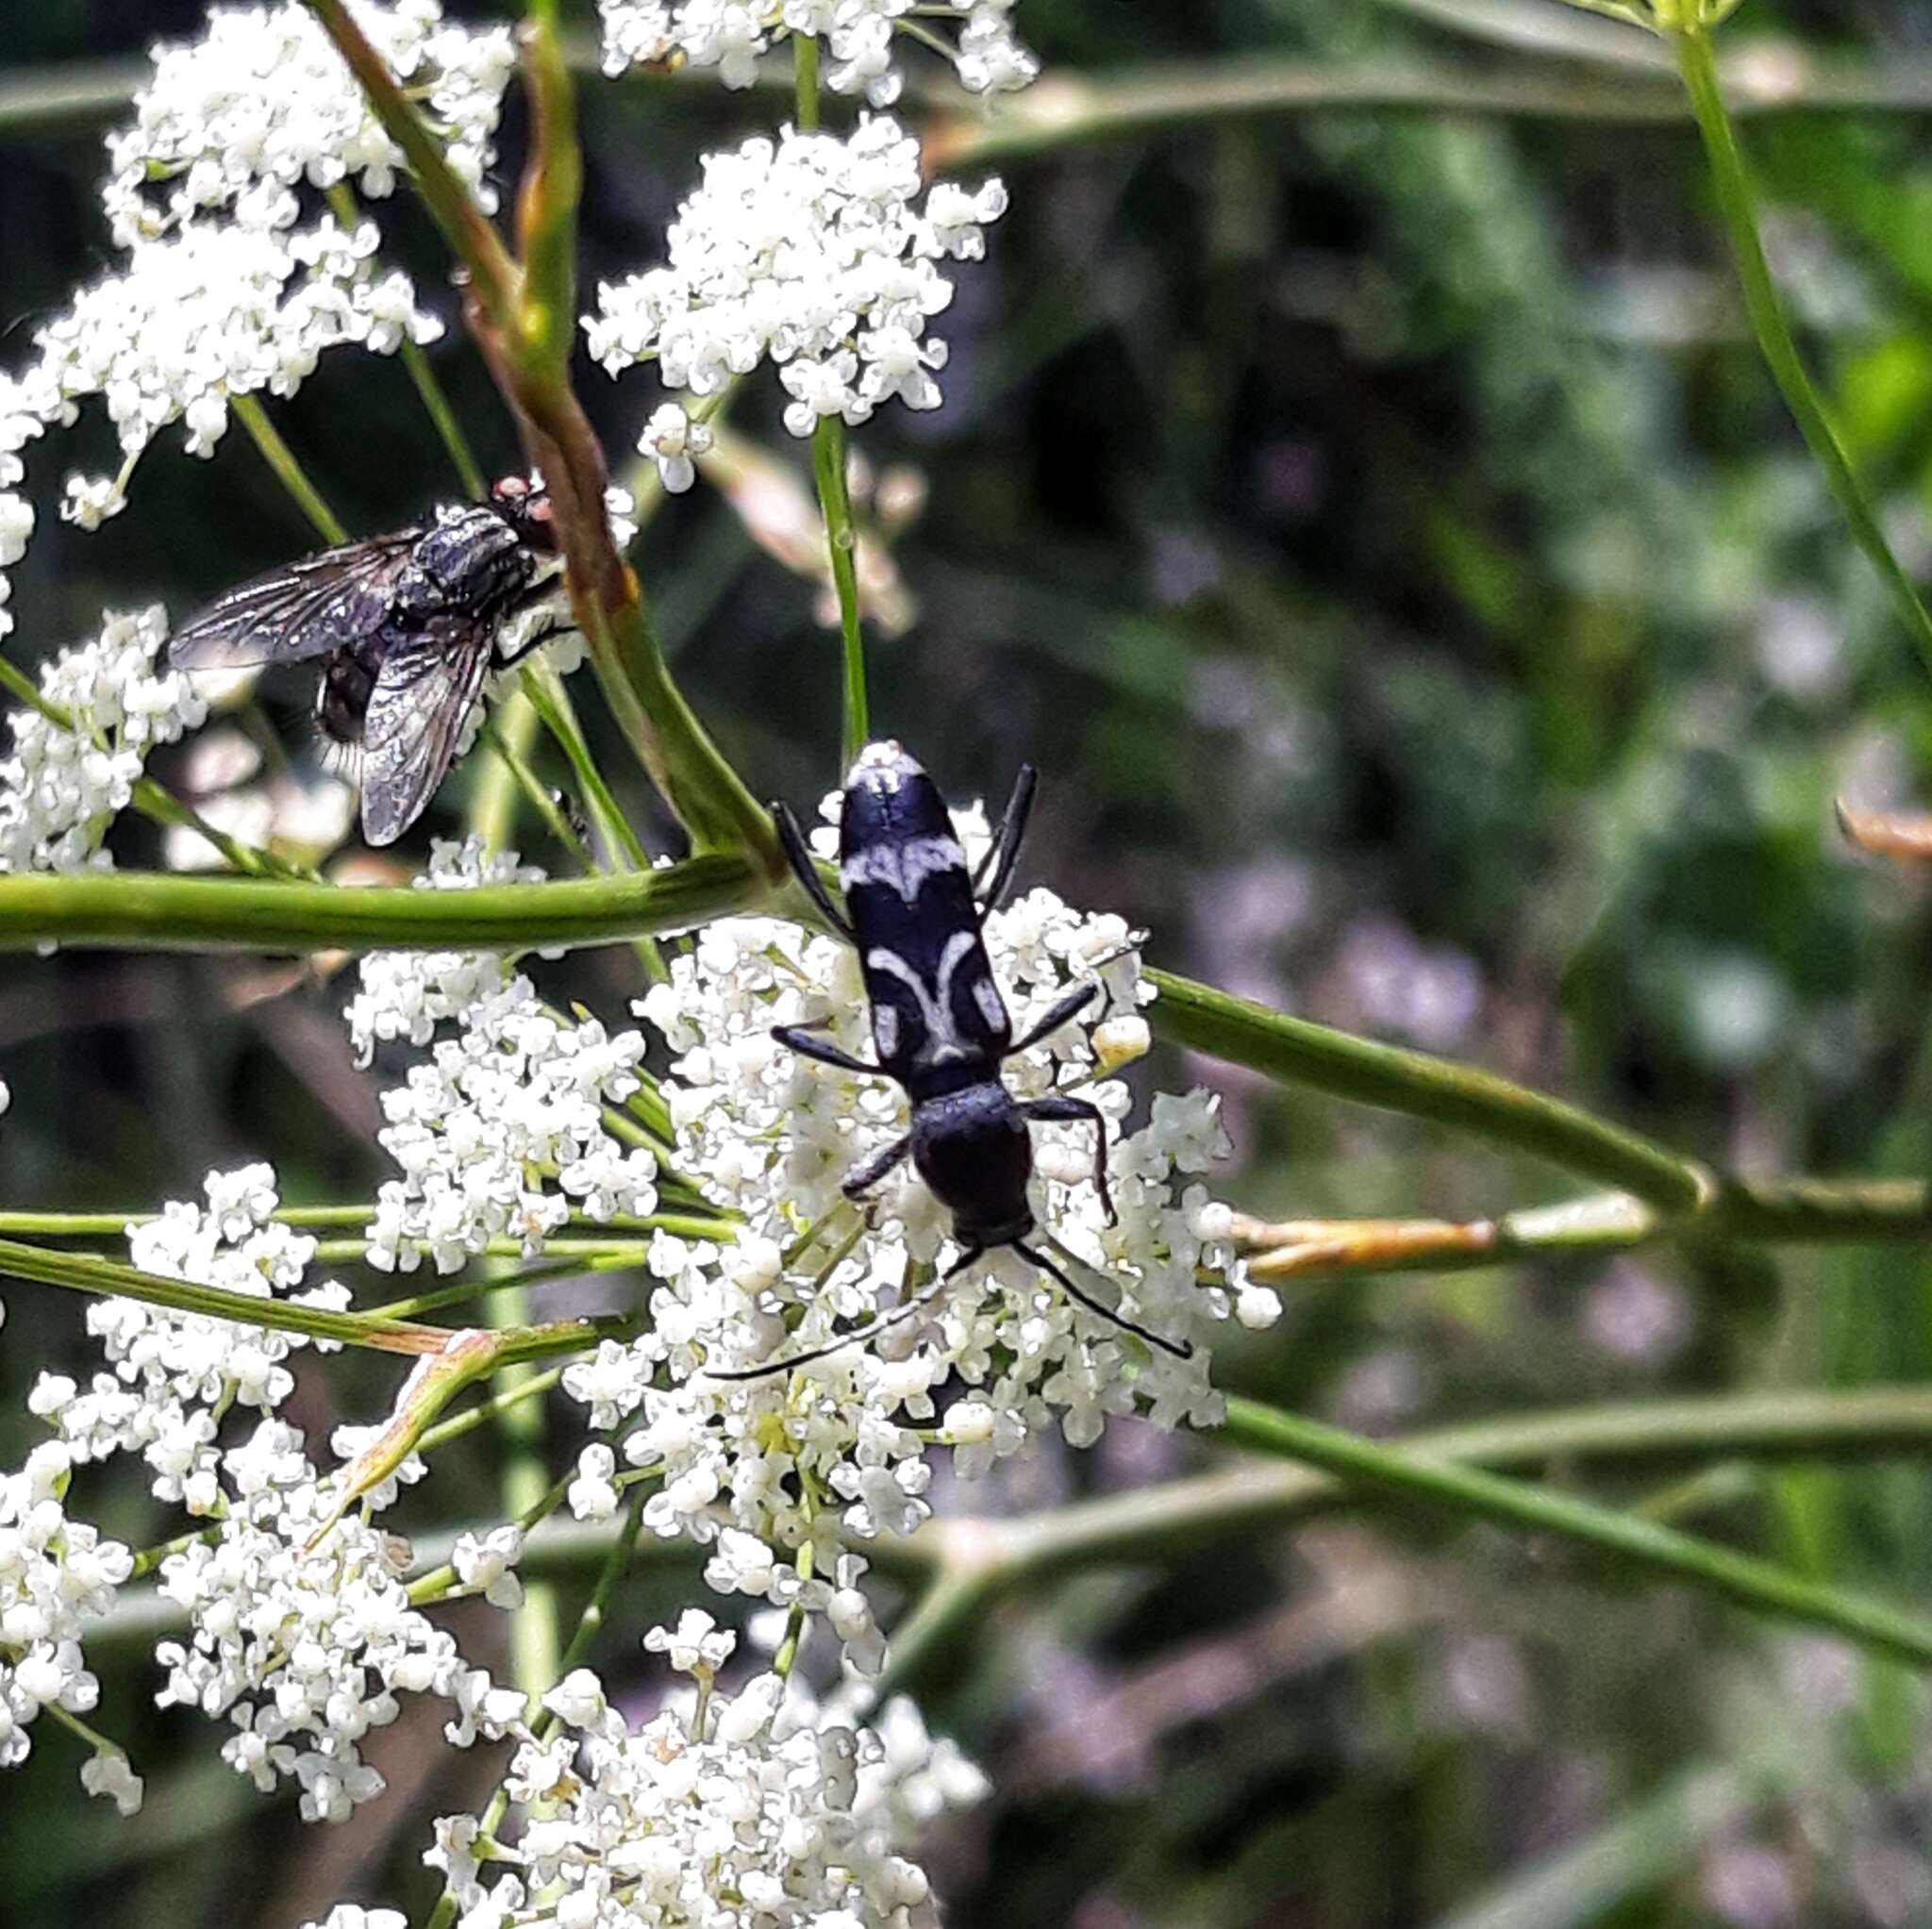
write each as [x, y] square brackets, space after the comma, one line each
[406, 626]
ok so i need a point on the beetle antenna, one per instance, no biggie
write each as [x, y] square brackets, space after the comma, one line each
[1180, 1349]
[898, 1316]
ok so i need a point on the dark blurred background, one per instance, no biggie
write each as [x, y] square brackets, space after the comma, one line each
[1382, 533]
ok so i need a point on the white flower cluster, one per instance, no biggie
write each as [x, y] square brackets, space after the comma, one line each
[174, 1373]
[228, 285]
[860, 35]
[720, 1811]
[56, 1574]
[504, 1111]
[809, 251]
[60, 786]
[263, 104]
[835, 1449]
[211, 312]
[302, 1632]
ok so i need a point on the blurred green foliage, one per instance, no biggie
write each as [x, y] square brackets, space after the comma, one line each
[1382, 533]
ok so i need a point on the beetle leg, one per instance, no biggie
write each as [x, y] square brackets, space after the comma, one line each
[797, 1039]
[1004, 853]
[1180, 1349]
[805, 868]
[1062, 1110]
[924, 1297]
[1076, 1001]
[861, 1179]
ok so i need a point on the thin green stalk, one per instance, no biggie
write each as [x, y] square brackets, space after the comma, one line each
[1762, 1213]
[551, 702]
[436, 405]
[544, 691]
[186, 913]
[88, 1272]
[1396, 1079]
[532, 1386]
[80, 1226]
[535, 1635]
[1737, 204]
[588, 1255]
[435, 1583]
[493, 808]
[835, 506]
[161, 805]
[974, 1562]
[1758, 1584]
[341, 200]
[287, 471]
[804, 75]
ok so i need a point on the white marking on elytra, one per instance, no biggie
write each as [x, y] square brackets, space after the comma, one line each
[881, 766]
[986, 995]
[885, 1030]
[942, 1040]
[903, 866]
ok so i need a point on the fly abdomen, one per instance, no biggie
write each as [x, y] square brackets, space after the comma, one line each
[341, 697]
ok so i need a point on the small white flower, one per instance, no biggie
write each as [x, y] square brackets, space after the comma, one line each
[697, 1645]
[485, 1565]
[670, 438]
[108, 1772]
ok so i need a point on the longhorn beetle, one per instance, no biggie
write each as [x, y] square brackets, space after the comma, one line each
[915, 914]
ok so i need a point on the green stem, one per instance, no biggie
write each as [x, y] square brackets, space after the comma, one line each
[493, 802]
[976, 1561]
[1758, 1584]
[551, 702]
[529, 1386]
[436, 405]
[161, 805]
[341, 200]
[535, 1636]
[186, 913]
[1761, 1212]
[835, 506]
[1737, 204]
[805, 74]
[289, 471]
[1399, 1080]
[81, 1226]
[546, 694]
[88, 1272]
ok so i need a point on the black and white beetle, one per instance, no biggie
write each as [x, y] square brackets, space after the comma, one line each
[915, 913]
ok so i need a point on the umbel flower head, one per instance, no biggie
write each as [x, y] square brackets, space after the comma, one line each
[61, 783]
[721, 1809]
[809, 252]
[861, 36]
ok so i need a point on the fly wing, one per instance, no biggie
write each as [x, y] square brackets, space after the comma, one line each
[430, 682]
[308, 608]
